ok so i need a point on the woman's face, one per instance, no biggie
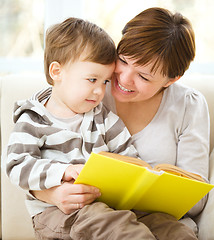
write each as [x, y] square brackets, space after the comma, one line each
[132, 83]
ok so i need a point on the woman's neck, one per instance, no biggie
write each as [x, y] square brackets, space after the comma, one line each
[137, 115]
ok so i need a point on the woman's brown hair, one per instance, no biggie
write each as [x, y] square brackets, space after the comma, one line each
[160, 36]
[66, 41]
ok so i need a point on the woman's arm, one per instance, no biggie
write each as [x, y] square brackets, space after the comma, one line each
[193, 144]
[193, 139]
[68, 196]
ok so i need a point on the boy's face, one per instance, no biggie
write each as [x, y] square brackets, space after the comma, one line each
[81, 85]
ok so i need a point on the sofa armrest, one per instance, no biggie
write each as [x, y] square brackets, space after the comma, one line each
[206, 219]
[16, 222]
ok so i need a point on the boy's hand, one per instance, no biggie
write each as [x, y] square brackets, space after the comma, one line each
[72, 172]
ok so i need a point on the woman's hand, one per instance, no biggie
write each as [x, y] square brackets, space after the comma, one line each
[68, 196]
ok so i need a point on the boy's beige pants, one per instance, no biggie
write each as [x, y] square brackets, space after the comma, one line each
[99, 222]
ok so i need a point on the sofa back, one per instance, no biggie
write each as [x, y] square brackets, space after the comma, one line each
[16, 223]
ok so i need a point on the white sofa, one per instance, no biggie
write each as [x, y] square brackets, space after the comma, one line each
[16, 223]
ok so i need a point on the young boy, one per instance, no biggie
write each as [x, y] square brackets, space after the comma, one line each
[58, 128]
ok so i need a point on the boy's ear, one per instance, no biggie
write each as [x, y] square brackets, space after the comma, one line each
[55, 71]
[171, 81]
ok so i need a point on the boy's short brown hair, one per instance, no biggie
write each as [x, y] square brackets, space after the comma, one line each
[66, 41]
[160, 36]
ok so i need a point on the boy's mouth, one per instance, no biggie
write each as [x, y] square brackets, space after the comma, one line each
[91, 100]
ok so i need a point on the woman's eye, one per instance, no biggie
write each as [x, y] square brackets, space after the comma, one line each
[92, 80]
[122, 60]
[143, 78]
[106, 81]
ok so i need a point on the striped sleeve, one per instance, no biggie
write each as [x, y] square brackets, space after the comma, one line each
[117, 137]
[25, 166]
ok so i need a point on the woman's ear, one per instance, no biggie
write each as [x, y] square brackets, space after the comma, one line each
[171, 81]
[55, 71]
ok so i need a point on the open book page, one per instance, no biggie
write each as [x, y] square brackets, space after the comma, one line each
[178, 171]
[160, 167]
[128, 159]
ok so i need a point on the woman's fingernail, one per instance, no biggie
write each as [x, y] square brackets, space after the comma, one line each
[96, 190]
[98, 194]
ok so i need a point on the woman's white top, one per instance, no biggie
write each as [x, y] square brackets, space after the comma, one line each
[178, 134]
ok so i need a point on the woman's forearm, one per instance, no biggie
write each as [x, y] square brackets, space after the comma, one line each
[68, 196]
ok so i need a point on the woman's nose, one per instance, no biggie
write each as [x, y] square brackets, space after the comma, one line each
[124, 75]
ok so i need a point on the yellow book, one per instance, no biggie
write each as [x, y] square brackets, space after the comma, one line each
[130, 183]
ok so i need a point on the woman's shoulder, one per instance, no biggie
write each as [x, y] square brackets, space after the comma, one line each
[181, 92]
[180, 99]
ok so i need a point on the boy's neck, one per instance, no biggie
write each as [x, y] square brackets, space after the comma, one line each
[58, 109]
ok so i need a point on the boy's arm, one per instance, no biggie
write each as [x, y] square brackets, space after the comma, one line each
[25, 166]
[118, 138]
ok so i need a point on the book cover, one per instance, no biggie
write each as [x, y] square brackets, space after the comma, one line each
[126, 185]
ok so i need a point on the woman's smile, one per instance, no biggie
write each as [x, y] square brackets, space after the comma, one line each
[123, 88]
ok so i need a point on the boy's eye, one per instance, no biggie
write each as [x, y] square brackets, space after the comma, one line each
[106, 81]
[92, 80]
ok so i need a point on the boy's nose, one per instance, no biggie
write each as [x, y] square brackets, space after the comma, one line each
[98, 90]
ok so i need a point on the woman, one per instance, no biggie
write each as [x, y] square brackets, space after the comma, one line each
[168, 121]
